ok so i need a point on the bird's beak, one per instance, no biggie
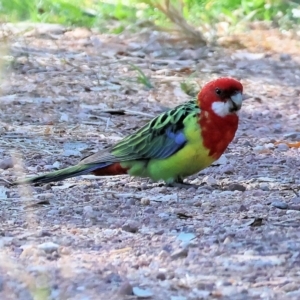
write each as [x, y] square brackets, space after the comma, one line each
[237, 100]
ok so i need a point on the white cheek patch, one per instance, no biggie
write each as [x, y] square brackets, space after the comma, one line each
[221, 109]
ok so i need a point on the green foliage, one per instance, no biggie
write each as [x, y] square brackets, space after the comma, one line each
[235, 11]
[101, 14]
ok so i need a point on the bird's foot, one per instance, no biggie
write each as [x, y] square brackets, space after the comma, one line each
[291, 145]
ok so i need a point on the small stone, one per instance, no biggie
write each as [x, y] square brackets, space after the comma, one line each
[149, 210]
[164, 216]
[186, 236]
[184, 298]
[264, 186]
[48, 247]
[130, 201]
[269, 146]
[227, 240]
[125, 289]
[291, 135]
[227, 169]
[163, 254]
[142, 293]
[180, 253]
[6, 163]
[247, 144]
[243, 208]
[279, 204]
[210, 180]
[285, 57]
[161, 276]
[236, 187]
[131, 226]
[113, 278]
[46, 196]
[56, 165]
[258, 148]
[64, 251]
[43, 233]
[145, 201]
[187, 54]
[277, 126]
[282, 147]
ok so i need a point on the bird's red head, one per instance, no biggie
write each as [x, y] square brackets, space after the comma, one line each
[222, 96]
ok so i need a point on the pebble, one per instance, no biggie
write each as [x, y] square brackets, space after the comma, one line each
[269, 146]
[131, 226]
[125, 289]
[291, 135]
[161, 276]
[180, 253]
[186, 236]
[130, 201]
[282, 147]
[163, 254]
[56, 165]
[187, 54]
[48, 247]
[44, 233]
[236, 187]
[243, 208]
[164, 216]
[258, 148]
[210, 180]
[264, 186]
[279, 204]
[228, 169]
[145, 201]
[181, 297]
[65, 250]
[6, 163]
[142, 293]
[285, 57]
[149, 210]
[46, 196]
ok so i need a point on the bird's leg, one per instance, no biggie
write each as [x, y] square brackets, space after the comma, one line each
[183, 185]
[291, 145]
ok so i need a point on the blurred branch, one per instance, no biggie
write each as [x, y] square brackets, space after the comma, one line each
[174, 13]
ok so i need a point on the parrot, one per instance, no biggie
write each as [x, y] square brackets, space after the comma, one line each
[174, 145]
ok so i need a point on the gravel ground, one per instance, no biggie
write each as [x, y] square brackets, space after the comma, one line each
[69, 93]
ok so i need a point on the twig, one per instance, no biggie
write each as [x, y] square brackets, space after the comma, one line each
[126, 112]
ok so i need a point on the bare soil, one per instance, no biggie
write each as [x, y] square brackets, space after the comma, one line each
[69, 93]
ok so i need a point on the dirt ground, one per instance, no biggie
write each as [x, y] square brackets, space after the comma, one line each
[68, 93]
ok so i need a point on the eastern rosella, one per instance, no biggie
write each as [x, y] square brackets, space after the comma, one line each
[172, 146]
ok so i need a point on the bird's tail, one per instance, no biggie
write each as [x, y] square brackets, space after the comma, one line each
[77, 170]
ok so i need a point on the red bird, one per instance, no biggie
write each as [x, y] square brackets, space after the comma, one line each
[172, 146]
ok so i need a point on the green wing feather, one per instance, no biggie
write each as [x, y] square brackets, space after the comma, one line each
[160, 138]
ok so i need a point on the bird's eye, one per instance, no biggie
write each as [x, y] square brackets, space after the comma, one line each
[218, 91]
